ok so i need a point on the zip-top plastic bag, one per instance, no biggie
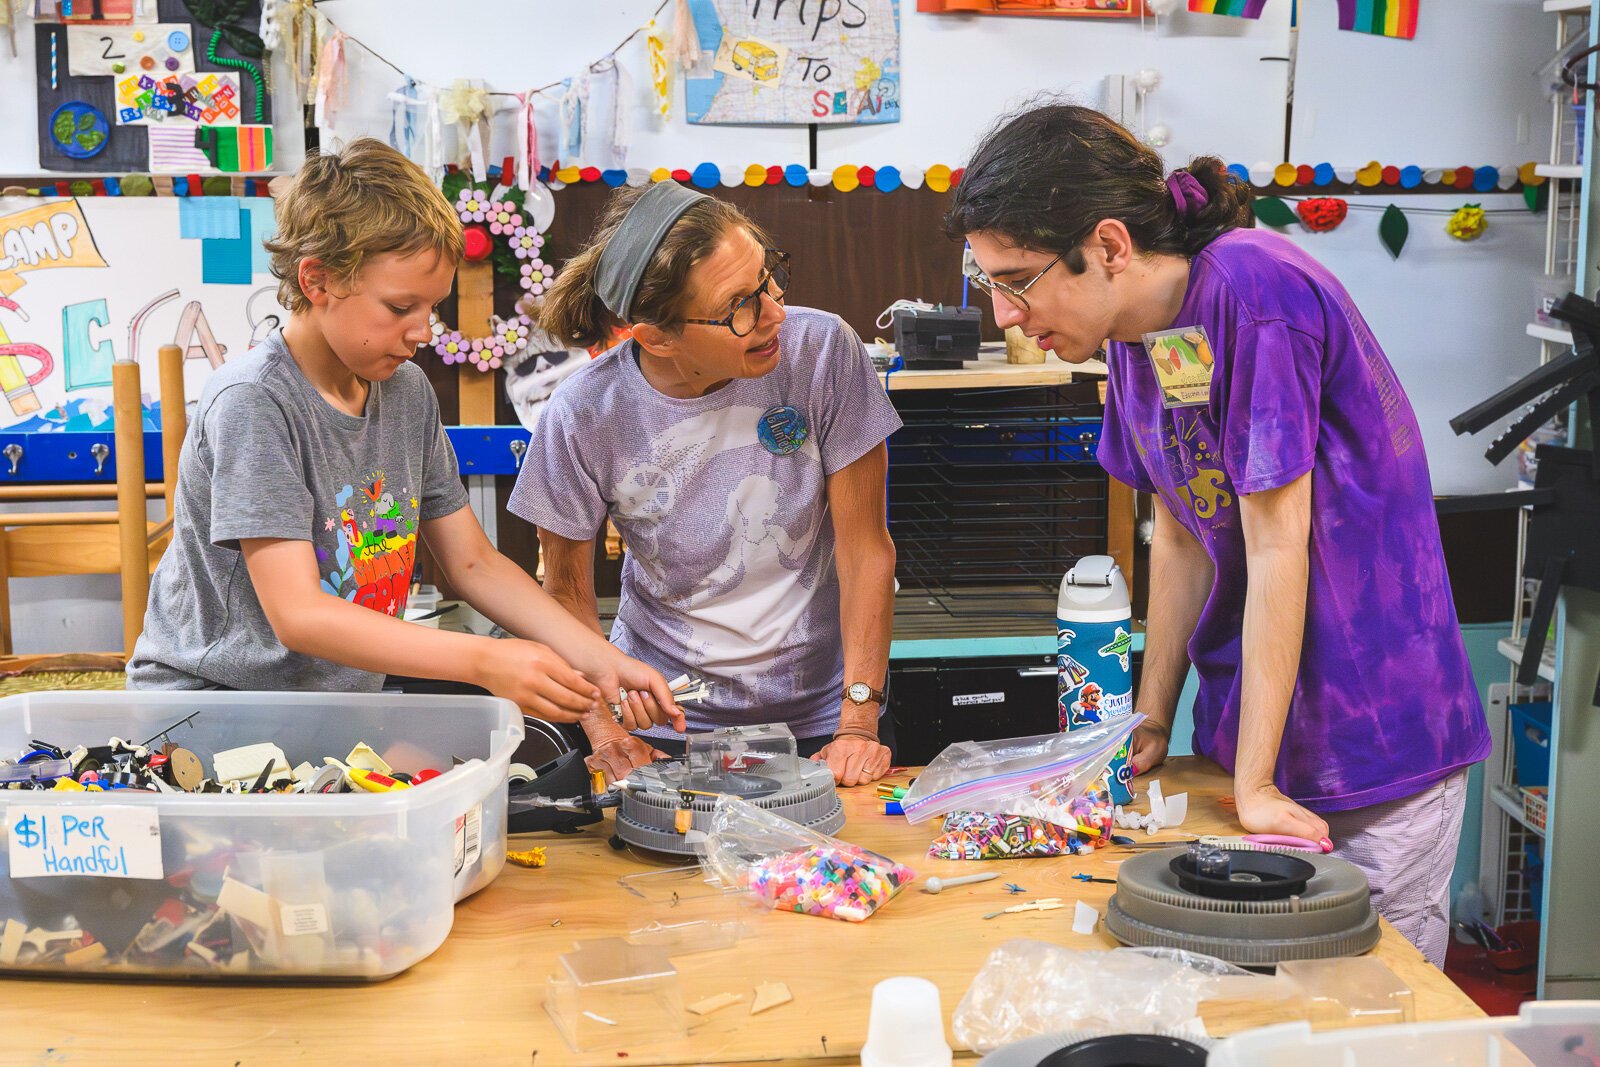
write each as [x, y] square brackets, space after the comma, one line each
[1038, 777]
[792, 868]
[978, 835]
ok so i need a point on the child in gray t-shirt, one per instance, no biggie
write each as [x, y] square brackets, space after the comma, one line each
[315, 463]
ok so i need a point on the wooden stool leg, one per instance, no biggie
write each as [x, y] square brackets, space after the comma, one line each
[5, 597]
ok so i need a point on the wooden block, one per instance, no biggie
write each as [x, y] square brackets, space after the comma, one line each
[770, 995]
[716, 1003]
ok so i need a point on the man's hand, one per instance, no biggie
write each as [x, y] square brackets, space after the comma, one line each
[1264, 810]
[855, 760]
[1147, 749]
[618, 756]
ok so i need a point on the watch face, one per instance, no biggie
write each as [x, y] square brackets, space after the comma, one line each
[860, 692]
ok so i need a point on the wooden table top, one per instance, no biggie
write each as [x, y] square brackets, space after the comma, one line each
[479, 999]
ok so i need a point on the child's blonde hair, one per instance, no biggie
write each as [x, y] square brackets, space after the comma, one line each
[347, 206]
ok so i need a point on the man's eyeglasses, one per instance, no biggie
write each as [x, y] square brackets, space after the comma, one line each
[746, 312]
[1012, 293]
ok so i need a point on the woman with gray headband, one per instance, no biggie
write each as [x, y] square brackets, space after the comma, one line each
[738, 445]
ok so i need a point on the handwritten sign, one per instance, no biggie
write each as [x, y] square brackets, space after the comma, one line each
[99, 840]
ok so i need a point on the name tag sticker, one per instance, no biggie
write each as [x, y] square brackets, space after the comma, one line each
[1183, 362]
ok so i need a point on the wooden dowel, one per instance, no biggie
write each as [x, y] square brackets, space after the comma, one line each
[69, 491]
[132, 524]
[61, 518]
[475, 297]
[174, 421]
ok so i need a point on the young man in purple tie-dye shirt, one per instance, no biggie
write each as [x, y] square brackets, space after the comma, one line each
[1296, 561]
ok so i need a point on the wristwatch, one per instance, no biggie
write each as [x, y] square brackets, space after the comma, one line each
[862, 693]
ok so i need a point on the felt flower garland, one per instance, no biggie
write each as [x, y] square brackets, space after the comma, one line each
[1468, 223]
[497, 229]
[1322, 213]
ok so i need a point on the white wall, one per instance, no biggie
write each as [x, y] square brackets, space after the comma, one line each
[1451, 316]
[1467, 91]
[958, 73]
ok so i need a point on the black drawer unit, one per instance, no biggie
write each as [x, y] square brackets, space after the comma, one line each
[938, 702]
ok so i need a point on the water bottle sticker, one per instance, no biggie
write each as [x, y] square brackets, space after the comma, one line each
[1120, 646]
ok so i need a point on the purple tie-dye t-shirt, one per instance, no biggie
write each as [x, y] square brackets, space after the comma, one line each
[1385, 703]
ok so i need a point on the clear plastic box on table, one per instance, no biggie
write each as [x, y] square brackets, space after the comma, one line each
[1346, 993]
[683, 910]
[608, 994]
[352, 885]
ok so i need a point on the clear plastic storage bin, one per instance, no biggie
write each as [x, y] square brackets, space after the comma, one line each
[349, 885]
[1543, 1034]
[608, 994]
[682, 910]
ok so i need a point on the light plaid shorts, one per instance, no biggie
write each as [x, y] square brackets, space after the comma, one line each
[1407, 848]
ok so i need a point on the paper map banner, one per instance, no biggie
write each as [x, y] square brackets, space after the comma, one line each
[766, 62]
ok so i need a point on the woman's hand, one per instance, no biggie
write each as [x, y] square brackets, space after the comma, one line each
[618, 756]
[855, 760]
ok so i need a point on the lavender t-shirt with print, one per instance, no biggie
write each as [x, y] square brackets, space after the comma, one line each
[722, 502]
[1385, 704]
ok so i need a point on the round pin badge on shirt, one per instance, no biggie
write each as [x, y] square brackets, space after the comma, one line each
[782, 430]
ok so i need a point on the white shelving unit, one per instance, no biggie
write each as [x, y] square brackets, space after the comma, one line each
[1509, 834]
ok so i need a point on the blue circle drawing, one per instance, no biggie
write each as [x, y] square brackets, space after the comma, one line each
[79, 130]
[783, 430]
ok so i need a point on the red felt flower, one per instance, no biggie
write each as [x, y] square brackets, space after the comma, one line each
[1322, 213]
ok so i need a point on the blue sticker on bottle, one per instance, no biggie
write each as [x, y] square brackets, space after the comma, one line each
[782, 430]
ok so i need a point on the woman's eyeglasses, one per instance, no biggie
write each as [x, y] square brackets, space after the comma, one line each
[746, 311]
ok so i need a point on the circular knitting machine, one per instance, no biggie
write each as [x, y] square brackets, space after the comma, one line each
[667, 801]
[1256, 909]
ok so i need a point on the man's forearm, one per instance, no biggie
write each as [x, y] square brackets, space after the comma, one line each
[1181, 577]
[1274, 631]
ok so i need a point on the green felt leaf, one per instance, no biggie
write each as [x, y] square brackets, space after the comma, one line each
[1393, 229]
[243, 41]
[1271, 211]
[64, 128]
[137, 185]
[86, 121]
[91, 139]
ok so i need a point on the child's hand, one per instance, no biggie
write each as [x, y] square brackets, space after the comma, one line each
[537, 680]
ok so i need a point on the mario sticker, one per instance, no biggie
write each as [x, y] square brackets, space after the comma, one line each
[782, 430]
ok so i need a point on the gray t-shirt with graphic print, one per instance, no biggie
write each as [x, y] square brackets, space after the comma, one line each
[266, 456]
[722, 501]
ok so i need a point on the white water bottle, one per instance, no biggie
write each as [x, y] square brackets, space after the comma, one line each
[1094, 650]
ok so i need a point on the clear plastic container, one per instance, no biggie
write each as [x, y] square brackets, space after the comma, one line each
[350, 885]
[1544, 1032]
[608, 994]
[682, 910]
[1346, 993]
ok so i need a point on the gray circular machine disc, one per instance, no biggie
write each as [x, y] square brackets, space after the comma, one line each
[648, 819]
[1333, 917]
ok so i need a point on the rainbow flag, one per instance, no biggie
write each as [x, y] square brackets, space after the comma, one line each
[1244, 9]
[1386, 18]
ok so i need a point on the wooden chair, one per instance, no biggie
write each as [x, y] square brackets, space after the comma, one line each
[121, 542]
